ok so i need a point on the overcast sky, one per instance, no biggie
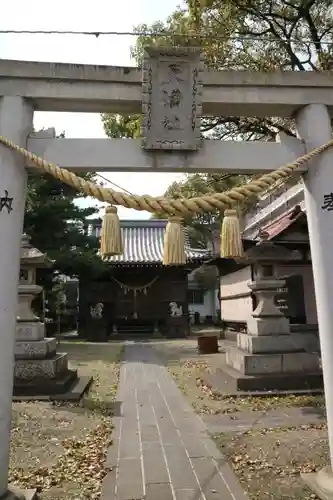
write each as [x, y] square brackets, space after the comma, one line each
[75, 15]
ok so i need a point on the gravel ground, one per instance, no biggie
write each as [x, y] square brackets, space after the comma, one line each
[268, 462]
[60, 448]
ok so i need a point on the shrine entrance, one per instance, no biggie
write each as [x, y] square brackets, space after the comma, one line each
[176, 92]
[140, 310]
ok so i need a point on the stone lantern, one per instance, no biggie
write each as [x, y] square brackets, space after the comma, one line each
[267, 319]
[269, 356]
[39, 370]
[31, 260]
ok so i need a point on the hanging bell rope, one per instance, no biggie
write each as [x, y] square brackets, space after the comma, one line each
[183, 207]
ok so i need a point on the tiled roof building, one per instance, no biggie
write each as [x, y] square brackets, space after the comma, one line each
[143, 242]
[138, 293]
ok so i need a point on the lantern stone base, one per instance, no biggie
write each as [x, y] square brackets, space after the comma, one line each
[293, 342]
[273, 371]
[39, 370]
[48, 367]
[321, 483]
[36, 350]
[38, 387]
[260, 364]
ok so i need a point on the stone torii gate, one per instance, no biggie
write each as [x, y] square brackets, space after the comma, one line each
[173, 94]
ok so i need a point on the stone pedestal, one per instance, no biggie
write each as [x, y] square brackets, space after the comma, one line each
[177, 327]
[268, 356]
[98, 330]
[156, 332]
[39, 369]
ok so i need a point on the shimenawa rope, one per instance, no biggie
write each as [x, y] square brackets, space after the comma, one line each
[174, 253]
[206, 203]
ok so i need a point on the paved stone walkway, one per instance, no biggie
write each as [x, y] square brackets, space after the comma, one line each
[161, 450]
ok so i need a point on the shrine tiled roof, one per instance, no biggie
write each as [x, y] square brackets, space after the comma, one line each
[283, 222]
[143, 242]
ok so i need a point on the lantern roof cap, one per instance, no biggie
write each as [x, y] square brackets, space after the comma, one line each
[31, 256]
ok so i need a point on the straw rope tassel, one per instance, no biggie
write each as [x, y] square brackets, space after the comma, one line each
[231, 237]
[174, 243]
[111, 241]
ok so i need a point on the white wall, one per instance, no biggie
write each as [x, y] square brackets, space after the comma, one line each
[235, 284]
[209, 307]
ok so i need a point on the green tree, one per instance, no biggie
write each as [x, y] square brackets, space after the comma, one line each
[255, 35]
[122, 127]
[206, 277]
[56, 226]
[204, 225]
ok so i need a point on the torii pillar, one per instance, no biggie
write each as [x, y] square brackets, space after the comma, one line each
[314, 127]
[16, 122]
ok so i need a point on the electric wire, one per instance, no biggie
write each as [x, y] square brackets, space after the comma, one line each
[168, 34]
[113, 184]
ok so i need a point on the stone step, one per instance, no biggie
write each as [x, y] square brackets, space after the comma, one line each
[38, 387]
[229, 382]
[263, 364]
[39, 349]
[69, 387]
[49, 368]
[275, 382]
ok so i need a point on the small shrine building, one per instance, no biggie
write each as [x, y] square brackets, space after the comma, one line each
[138, 294]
